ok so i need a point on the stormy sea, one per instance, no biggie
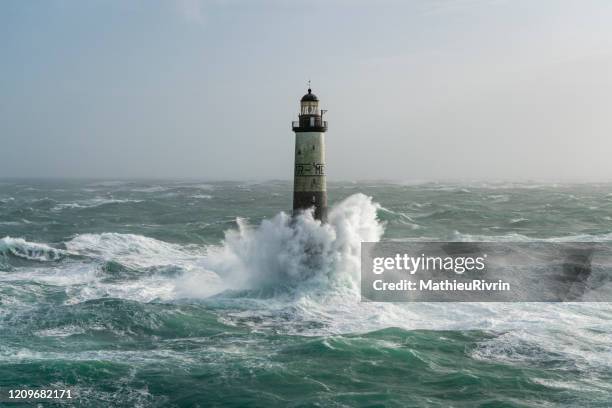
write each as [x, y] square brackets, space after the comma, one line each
[188, 293]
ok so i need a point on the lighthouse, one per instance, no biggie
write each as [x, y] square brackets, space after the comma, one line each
[309, 185]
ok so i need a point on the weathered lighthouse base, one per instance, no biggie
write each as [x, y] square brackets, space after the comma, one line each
[303, 200]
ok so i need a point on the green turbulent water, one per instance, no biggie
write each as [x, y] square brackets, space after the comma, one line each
[184, 293]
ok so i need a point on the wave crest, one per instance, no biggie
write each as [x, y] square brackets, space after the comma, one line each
[285, 250]
[32, 251]
[134, 251]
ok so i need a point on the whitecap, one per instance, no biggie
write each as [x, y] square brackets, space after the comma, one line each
[92, 203]
[21, 248]
[131, 250]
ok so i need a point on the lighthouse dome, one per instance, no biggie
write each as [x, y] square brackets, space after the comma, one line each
[310, 97]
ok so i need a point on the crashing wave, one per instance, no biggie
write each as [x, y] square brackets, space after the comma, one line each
[32, 251]
[134, 251]
[285, 250]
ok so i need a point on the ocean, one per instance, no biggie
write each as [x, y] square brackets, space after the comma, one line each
[190, 293]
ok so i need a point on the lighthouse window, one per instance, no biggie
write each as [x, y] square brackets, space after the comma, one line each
[312, 121]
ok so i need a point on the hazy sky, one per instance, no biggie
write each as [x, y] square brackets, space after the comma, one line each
[416, 90]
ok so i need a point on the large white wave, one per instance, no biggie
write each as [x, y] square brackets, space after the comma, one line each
[133, 251]
[284, 251]
[33, 251]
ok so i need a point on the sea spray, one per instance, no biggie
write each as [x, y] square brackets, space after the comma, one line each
[134, 251]
[285, 251]
[32, 251]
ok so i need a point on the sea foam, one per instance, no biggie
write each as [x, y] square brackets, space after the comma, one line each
[33, 251]
[288, 251]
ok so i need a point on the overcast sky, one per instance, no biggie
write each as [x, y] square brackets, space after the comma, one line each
[416, 90]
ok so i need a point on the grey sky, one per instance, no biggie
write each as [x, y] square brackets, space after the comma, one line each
[416, 90]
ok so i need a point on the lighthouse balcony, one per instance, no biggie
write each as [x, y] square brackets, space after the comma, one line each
[311, 124]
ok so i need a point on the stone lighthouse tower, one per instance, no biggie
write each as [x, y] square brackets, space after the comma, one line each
[309, 186]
